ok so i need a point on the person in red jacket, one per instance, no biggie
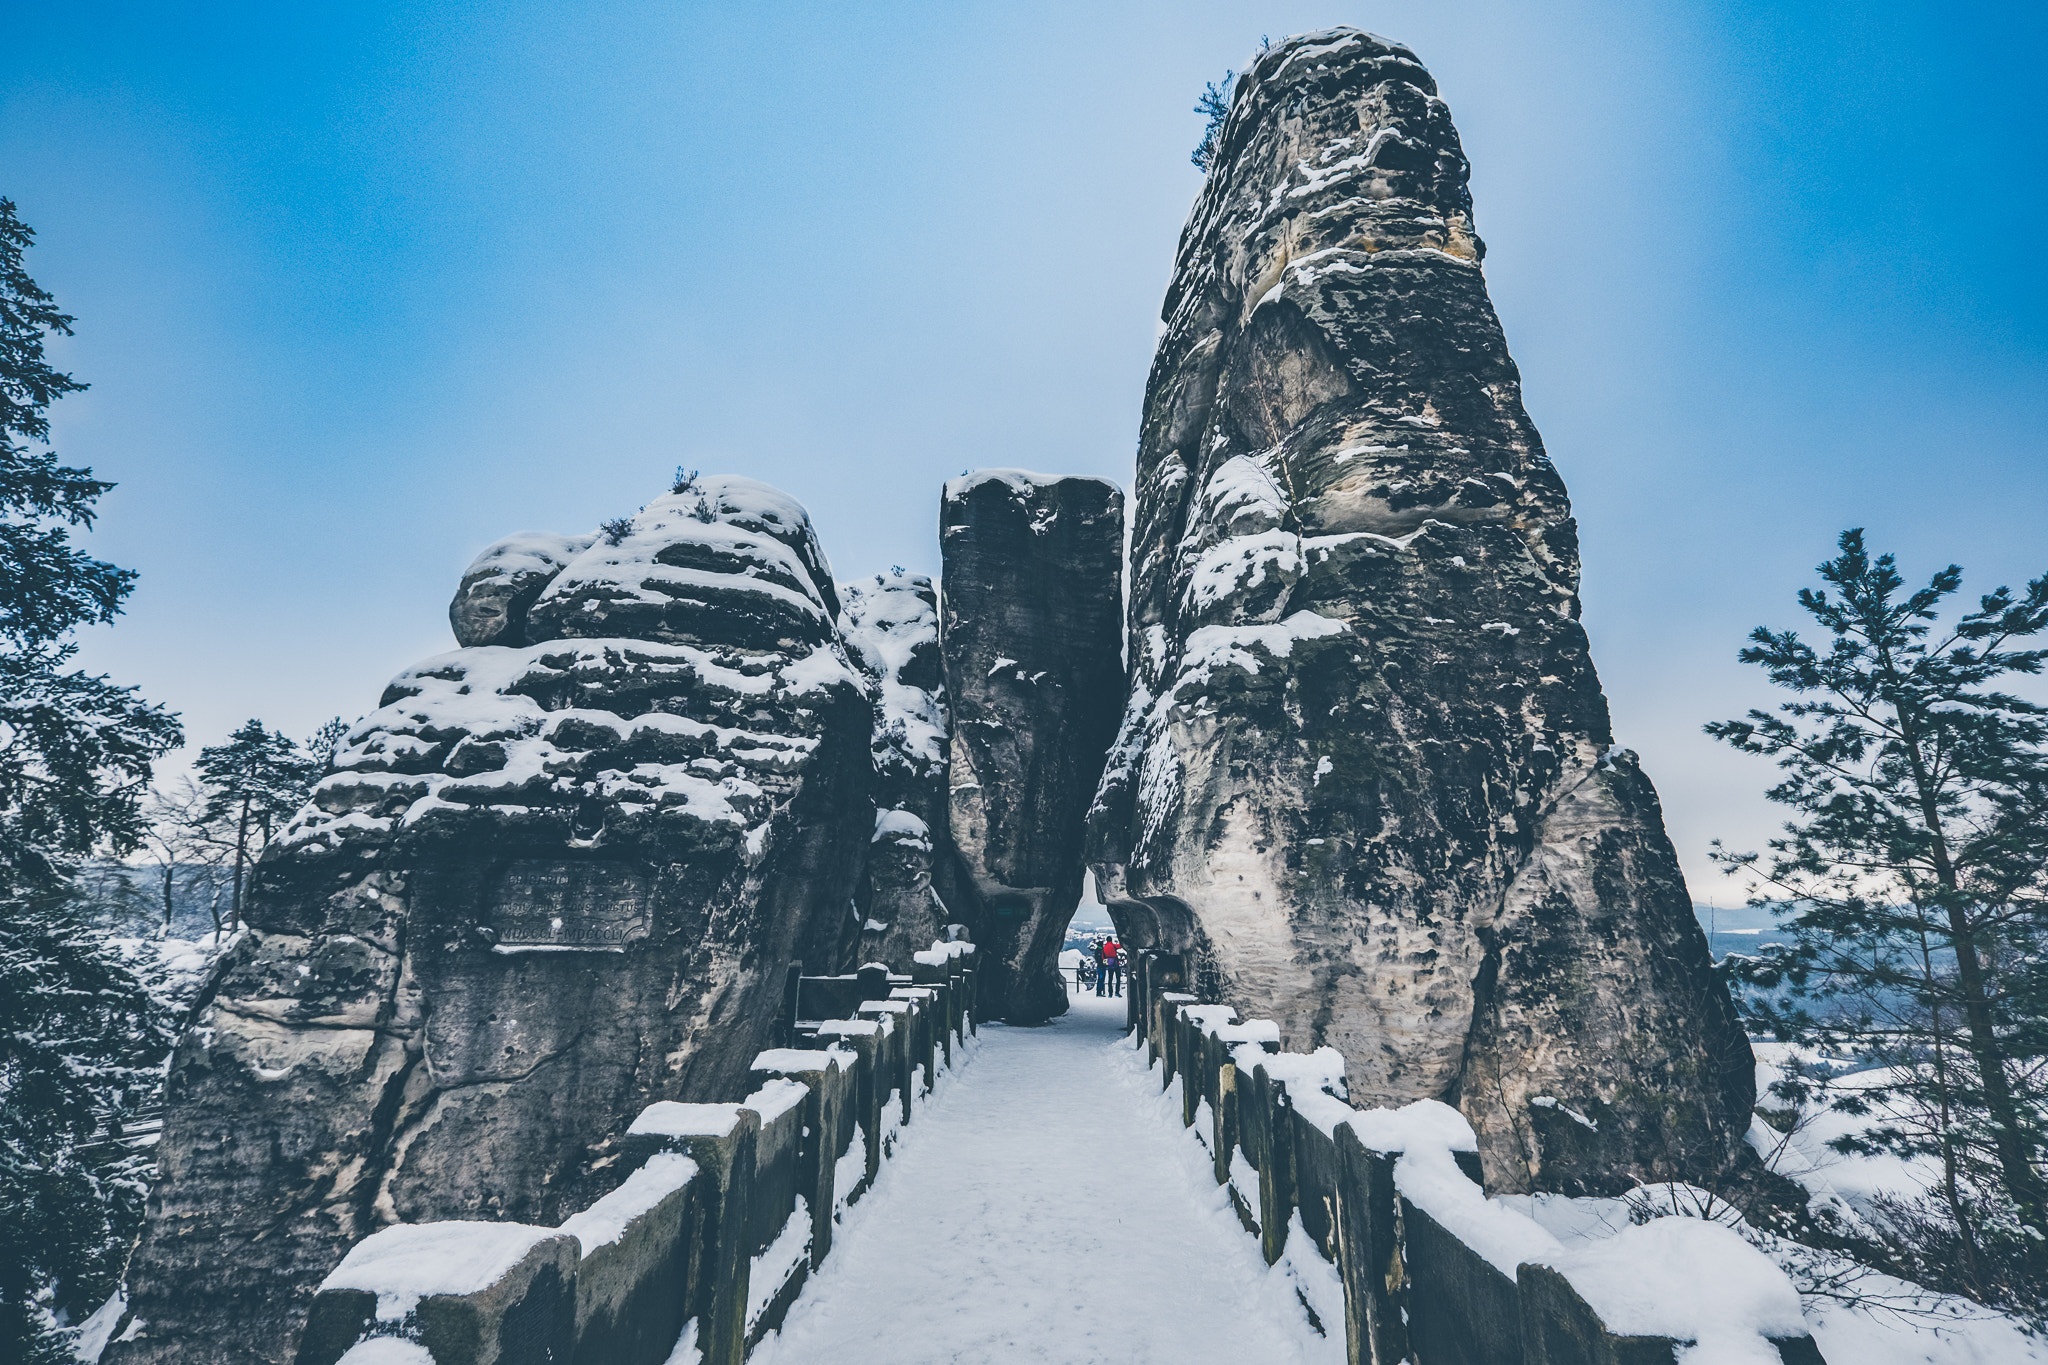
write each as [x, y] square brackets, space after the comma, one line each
[1113, 964]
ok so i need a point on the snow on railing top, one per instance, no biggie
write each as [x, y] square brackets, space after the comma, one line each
[854, 1028]
[604, 1222]
[403, 1264]
[777, 1097]
[672, 1118]
[941, 952]
[387, 1351]
[1690, 1280]
[803, 1058]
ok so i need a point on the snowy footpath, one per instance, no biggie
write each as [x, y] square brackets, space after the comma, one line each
[1048, 1206]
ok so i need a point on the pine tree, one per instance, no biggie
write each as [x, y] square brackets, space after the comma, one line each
[320, 751]
[254, 780]
[80, 1031]
[1913, 882]
[84, 1038]
[75, 750]
[1213, 106]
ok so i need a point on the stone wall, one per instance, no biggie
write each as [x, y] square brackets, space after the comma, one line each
[1433, 1271]
[725, 1211]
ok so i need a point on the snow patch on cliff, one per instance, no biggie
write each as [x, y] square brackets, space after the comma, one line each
[891, 627]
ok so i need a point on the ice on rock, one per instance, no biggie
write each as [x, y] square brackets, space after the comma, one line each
[1022, 481]
[686, 551]
[900, 823]
[501, 585]
[891, 626]
[720, 594]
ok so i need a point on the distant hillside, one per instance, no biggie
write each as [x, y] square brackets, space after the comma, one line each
[1734, 928]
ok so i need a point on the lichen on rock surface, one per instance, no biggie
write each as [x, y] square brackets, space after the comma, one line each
[1365, 775]
[550, 881]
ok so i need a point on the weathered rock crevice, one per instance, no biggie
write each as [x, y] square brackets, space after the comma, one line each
[912, 893]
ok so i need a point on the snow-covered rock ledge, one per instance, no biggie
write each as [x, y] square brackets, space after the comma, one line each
[724, 1210]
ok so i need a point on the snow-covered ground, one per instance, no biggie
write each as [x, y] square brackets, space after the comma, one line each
[1041, 1210]
[1856, 1180]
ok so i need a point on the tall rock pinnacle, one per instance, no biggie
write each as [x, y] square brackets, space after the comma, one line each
[1032, 591]
[1366, 776]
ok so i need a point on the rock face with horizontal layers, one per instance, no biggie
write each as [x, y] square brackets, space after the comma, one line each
[1366, 776]
[549, 883]
[502, 584]
[1030, 633]
[891, 623]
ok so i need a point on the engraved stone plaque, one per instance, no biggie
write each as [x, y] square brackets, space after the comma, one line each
[569, 905]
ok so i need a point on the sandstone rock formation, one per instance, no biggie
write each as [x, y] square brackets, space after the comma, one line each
[502, 584]
[891, 624]
[1031, 606]
[550, 883]
[1366, 774]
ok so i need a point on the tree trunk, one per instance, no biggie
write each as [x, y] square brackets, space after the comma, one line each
[1950, 1193]
[2022, 1183]
[241, 852]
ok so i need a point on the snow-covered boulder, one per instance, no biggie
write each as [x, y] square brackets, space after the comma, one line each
[550, 881]
[503, 582]
[726, 561]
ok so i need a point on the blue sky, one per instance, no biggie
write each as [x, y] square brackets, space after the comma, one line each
[363, 287]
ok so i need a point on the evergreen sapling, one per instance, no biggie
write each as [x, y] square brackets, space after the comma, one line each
[1912, 884]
